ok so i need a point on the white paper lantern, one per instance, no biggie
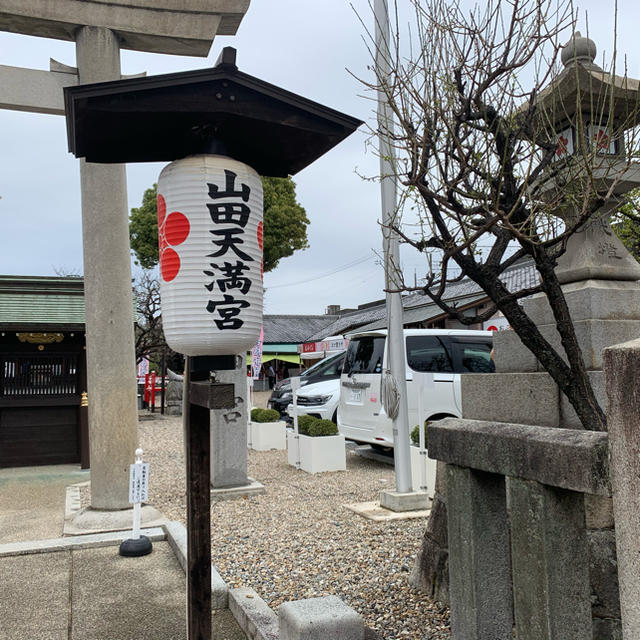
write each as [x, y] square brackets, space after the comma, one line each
[210, 241]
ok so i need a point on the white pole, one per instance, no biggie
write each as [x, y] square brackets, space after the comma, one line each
[250, 403]
[423, 450]
[135, 534]
[295, 385]
[395, 339]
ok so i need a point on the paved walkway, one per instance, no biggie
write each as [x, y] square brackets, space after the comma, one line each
[85, 593]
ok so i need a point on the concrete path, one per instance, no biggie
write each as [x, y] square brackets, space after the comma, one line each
[32, 501]
[85, 593]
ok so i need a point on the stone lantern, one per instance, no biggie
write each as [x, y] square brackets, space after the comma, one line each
[543, 535]
[588, 111]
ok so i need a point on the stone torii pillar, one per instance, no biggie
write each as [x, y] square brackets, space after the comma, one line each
[100, 31]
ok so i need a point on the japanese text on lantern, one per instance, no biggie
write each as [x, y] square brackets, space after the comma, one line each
[229, 278]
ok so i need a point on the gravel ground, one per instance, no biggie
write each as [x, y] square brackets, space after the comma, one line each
[299, 541]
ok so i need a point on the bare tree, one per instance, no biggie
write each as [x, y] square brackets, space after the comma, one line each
[480, 101]
[478, 156]
[149, 337]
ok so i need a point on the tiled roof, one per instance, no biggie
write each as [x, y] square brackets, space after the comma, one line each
[32, 302]
[294, 329]
[418, 308]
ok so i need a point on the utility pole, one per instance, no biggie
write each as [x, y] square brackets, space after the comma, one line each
[396, 374]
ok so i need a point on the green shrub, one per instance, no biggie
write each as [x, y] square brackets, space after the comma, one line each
[323, 428]
[264, 415]
[312, 426]
[304, 423]
[415, 434]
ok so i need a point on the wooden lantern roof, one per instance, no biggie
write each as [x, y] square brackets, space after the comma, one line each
[216, 110]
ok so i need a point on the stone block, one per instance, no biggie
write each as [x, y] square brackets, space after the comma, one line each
[607, 629]
[177, 538]
[229, 433]
[590, 300]
[572, 459]
[430, 571]
[253, 614]
[412, 501]
[510, 355]
[593, 336]
[479, 563]
[603, 573]
[622, 371]
[522, 398]
[550, 562]
[568, 416]
[598, 511]
[252, 488]
[319, 619]
[73, 543]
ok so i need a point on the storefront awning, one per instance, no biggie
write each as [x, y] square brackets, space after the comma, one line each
[283, 357]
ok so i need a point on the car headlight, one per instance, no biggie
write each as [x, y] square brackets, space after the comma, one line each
[313, 400]
[286, 396]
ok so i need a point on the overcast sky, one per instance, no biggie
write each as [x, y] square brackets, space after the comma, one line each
[303, 46]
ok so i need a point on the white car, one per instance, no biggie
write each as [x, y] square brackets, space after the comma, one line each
[319, 399]
[435, 360]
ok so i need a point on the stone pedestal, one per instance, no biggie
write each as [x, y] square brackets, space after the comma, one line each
[605, 312]
[229, 433]
[550, 562]
[480, 565]
[530, 540]
[622, 367]
[411, 501]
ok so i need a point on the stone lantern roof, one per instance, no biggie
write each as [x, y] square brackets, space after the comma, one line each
[584, 86]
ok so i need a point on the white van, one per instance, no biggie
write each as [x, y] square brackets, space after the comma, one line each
[435, 356]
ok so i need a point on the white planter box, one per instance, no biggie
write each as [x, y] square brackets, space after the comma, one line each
[264, 436]
[416, 474]
[324, 453]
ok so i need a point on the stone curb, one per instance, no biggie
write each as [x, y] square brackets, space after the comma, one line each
[80, 521]
[177, 538]
[253, 614]
[91, 541]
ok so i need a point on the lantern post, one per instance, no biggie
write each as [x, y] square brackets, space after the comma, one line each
[221, 129]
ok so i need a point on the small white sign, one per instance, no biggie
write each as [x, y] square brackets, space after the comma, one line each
[139, 483]
[295, 383]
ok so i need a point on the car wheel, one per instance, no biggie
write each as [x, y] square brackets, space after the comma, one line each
[381, 448]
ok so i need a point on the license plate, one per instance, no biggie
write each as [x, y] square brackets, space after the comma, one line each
[356, 395]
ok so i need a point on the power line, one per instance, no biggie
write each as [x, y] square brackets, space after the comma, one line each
[324, 275]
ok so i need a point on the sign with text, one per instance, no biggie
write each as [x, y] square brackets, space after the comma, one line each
[139, 482]
[210, 235]
[256, 356]
[338, 344]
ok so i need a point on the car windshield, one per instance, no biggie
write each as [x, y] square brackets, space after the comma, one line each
[327, 367]
[364, 355]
